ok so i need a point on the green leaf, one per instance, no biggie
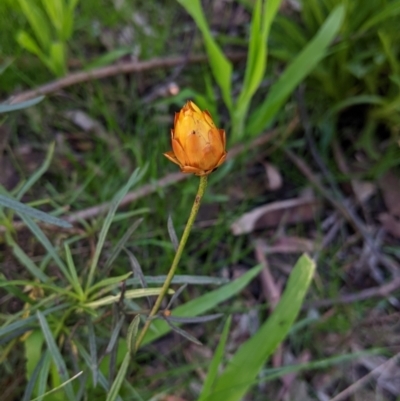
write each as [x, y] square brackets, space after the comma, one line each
[116, 386]
[57, 58]
[28, 43]
[392, 9]
[73, 275]
[121, 243]
[109, 282]
[69, 19]
[256, 59]
[354, 100]
[56, 355]
[132, 334]
[22, 209]
[25, 260]
[53, 390]
[202, 304]
[37, 21]
[6, 108]
[108, 58]
[55, 11]
[44, 375]
[243, 368]
[296, 72]
[39, 234]
[37, 174]
[130, 294]
[221, 67]
[33, 351]
[216, 361]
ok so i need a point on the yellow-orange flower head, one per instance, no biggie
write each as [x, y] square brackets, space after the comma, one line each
[198, 146]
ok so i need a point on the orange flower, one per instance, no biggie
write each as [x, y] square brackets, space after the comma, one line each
[198, 145]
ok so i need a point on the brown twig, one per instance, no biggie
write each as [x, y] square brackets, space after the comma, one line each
[381, 291]
[120, 68]
[365, 379]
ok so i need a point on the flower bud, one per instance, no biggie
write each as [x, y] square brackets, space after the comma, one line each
[198, 146]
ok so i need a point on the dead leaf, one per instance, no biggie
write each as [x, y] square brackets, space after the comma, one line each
[290, 245]
[272, 292]
[273, 177]
[363, 190]
[293, 211]
[390, 186]
[90, 125]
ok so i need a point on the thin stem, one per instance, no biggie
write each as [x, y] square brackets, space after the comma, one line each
[178, 254]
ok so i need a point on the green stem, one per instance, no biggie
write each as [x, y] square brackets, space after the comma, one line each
[178, 254]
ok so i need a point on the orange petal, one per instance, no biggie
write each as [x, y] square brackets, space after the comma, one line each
[179, 152]
[194, 148]
[192, 170]
[223, 137]
[171, 157]
[221, 160]
[208, 118]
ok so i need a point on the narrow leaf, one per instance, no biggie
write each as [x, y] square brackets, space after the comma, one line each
[132, 334]
[20, 208]
[203, 303]
[37, 174]
[303, 64]
[216, 361]
[56, 355]
[135, 177]
[6, 108]
[116, 386]
[235, 381]
[121, 243]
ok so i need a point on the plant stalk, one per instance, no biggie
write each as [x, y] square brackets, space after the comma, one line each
[178, 254]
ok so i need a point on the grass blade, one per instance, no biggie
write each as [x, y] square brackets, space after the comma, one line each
[116, 386]
[74, 279]
[38, 173]
[121, 243]
[296, 72]
[132, 334]
[6, 108]
[22, 209]
[92, 350]
[25, 260]
[135, 177]
[216, 361]
[39, 234]
[389, 11]
[56, 355]
[130, 294]
[220, 66]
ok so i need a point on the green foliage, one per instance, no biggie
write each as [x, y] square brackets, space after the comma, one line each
[263, 15]
[360, 73]
[242, 370]
[51, 23]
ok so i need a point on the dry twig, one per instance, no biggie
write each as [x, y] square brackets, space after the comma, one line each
[381, 291]
[119, 68]
[378, 371]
